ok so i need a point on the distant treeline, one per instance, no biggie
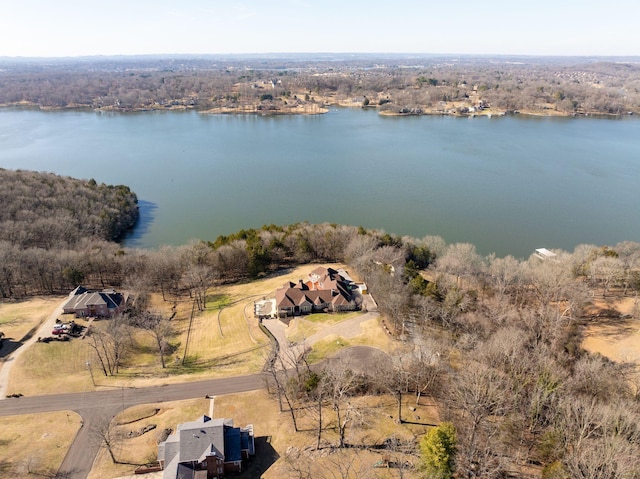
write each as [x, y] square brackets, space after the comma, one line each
[422, 85]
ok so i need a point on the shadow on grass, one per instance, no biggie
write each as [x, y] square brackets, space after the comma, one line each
[8, 346]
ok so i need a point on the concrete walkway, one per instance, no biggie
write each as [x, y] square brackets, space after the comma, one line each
[44, 330]
[289, 352]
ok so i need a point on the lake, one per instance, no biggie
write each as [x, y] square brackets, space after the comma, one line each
[507, 184]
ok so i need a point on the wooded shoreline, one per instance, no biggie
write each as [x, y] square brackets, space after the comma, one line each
[441, 86]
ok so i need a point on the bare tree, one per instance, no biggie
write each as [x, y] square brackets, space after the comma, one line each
[394, 378]
[341, 382]
[478, 393]
[600, 440]
[423, 368]
[159, 327]
[606, 270]
[110, 345]
[288, 383]
[104, 434]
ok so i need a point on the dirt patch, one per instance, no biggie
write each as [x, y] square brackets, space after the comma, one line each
[612, 331]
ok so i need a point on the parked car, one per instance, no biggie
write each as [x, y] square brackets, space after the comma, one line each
[58, 331]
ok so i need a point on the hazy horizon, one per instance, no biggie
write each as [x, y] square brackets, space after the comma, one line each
[74, 28]
[316, 56]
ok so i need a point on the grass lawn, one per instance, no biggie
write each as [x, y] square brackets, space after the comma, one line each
[273, 432]
[327, 347]
[143, 449]
[17, 318]
[299, 329]
[224, 340]
[373, 335]
[39, 449]
[47, 368]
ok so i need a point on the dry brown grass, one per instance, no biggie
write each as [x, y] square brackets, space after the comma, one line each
[40, 448]
[54, 367]
[17, 318]
[274, 427]
[240, 349]
[143, 449]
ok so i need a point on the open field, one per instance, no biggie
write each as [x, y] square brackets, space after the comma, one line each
[273, 431]
[17, 318]
[36, 450]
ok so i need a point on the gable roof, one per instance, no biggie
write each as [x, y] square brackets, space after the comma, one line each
[201, 437]
[194, 441]
[82, 298]
[325, 286]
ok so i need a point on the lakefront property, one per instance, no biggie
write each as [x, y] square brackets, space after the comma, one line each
[326, 290]
[101, 304]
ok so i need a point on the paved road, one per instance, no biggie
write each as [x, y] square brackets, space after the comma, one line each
[94, 406]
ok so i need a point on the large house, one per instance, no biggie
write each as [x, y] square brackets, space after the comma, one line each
[205, 449]
[326, 289]
[101, 304]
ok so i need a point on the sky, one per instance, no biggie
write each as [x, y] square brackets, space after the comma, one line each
[48, 28]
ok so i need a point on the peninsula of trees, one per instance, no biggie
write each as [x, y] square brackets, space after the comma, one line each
[45, 218]
[495, 341]
[398, 85]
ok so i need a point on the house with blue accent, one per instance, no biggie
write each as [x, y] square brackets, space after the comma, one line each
[205, 449]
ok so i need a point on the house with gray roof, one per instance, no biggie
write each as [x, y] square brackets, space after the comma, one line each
[205, 449]
[101, 304]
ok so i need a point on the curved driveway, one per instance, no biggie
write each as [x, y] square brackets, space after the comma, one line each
[94, 406]
[44, 330]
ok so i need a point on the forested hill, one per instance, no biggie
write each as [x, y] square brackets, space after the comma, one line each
[47, 211]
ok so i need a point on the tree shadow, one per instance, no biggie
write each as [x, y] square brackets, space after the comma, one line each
[145, 220]
[8, 346]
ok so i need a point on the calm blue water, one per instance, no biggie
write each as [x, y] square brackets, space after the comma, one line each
[508, 185]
